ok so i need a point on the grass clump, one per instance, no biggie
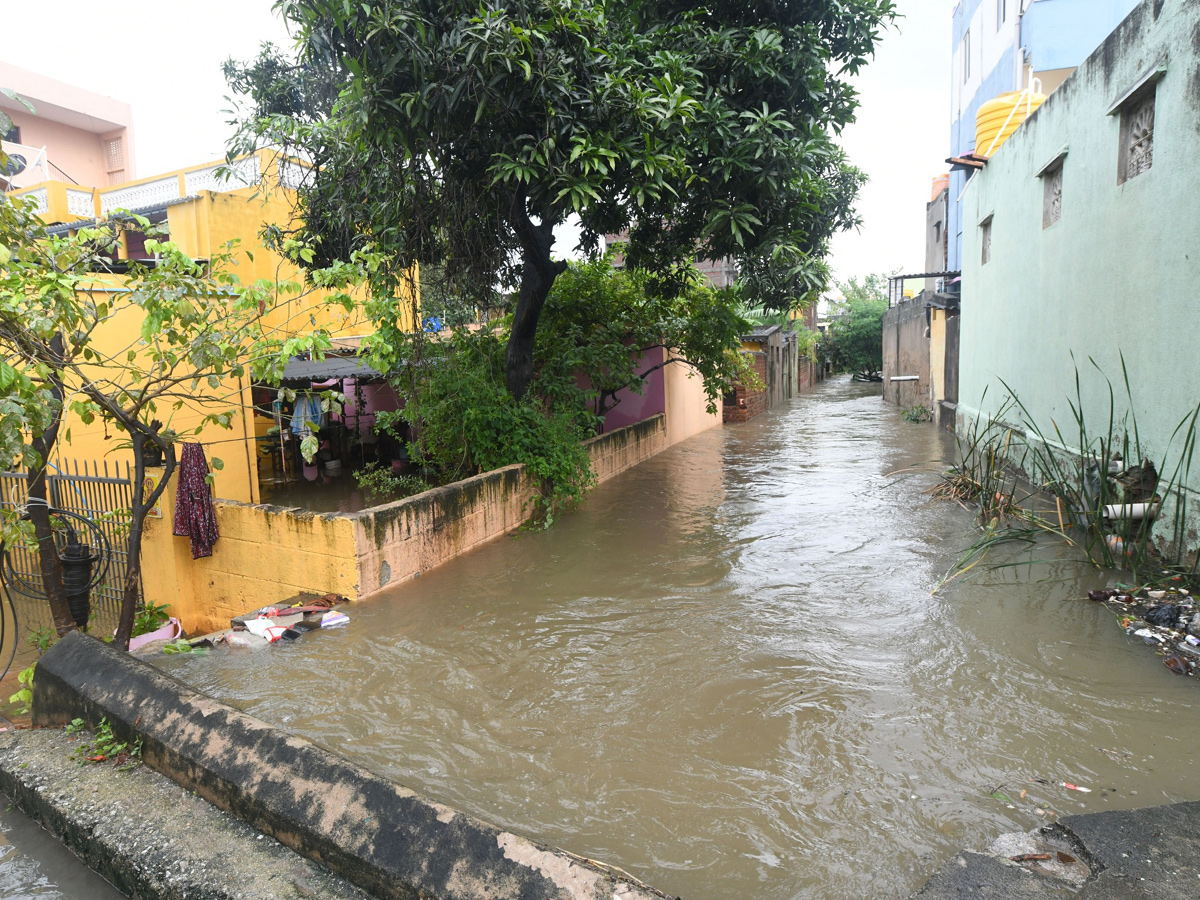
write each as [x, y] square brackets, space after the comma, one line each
[1084, 485]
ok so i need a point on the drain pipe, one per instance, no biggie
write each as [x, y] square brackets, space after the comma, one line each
[905, 378]
[1131, 512]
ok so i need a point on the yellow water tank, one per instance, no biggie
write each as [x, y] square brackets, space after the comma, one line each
[940, 184]
[1000, 117]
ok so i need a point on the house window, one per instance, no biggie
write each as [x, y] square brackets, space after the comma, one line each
[114, 160]
[1001, 13]
[1052, 185]
[985, 228]
[13, 136]
[966, 55]
[1137, 136]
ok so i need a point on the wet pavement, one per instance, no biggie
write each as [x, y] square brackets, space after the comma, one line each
[728, 673]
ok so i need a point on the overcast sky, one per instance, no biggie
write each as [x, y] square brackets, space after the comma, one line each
[164, 59]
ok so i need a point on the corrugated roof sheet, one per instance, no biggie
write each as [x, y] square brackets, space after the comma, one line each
[304, 371]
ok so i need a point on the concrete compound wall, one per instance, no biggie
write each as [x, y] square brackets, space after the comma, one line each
[906, 352]
[266, 554]
[1115, 276]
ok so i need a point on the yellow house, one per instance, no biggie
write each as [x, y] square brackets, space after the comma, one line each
[202, 208]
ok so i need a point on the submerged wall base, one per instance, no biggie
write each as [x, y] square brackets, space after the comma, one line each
[380, 836]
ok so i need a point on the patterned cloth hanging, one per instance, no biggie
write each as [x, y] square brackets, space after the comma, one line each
[195, 517]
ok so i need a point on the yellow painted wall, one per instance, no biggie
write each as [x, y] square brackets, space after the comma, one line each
[937, 356]
[686, 404]
[264, 555]
[201, 226]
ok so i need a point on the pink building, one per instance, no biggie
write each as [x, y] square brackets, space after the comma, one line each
[75, 135]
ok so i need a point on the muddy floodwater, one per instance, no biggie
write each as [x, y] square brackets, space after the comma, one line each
[729, 675]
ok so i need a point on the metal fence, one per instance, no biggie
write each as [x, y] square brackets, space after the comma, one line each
[95, 493]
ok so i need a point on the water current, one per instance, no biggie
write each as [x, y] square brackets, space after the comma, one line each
[729, 674]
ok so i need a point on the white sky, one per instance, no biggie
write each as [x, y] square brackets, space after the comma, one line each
[164, 60]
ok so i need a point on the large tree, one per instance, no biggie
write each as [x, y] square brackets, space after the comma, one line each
[460, 134]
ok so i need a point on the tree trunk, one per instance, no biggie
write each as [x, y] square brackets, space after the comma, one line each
[39, 514]
[140, 508]
[538, 272]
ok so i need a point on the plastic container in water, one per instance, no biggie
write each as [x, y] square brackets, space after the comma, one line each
[1000, 117]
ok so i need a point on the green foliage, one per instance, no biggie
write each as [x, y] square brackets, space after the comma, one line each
[808, 342]
[466, 421]
[105, 747]
[382, 485]
[1034, 480]
[855, 334]
[461, 134]
[182, 645]
[150, 618]
[597, 319]
[918, 414]
[23, 698]
[40, 639]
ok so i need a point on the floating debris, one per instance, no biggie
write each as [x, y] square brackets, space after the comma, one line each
[1166, 619]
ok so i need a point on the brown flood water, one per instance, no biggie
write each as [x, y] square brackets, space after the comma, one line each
[727, 673]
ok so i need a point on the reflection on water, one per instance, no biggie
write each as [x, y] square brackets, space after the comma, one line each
[728, 675]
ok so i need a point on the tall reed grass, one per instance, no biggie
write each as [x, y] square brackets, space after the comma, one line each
[1032, 480]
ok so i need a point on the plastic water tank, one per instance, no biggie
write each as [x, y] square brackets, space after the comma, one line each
[940, 183]
[1000, 117]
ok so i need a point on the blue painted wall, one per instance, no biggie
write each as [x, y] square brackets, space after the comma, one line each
[962, 140]
[1060, 34]
[1057, 34]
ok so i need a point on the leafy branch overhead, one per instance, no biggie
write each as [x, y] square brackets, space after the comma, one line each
[459, 135]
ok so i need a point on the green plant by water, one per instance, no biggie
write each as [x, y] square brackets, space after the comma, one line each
[105, 746]
[149, 618]
[918, 414]
[40, 639]
[1030, 482]
[382, 485]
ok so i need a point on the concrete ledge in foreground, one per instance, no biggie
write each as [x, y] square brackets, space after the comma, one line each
[147, 836]
[375, 833]
[1113, 855]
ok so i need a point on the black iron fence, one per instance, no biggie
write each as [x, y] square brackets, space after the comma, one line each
[99, 492]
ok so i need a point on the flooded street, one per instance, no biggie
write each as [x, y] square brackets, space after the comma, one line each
[728, 674]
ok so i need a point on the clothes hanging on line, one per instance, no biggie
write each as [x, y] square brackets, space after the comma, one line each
[307, 416]
[195, 517]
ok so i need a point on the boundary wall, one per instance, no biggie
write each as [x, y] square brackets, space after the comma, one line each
[270, 553]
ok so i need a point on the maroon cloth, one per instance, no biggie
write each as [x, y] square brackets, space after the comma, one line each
[195, 517]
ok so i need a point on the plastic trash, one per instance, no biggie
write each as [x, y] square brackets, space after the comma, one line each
[332, 619]
[1074, 787]
[266, 628]
[1149, 636]
[1165, 615]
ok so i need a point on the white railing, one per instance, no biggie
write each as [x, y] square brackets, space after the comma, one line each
[41, 199]
[80, 203]
[293, 174]
[223, 177]
[136, 196]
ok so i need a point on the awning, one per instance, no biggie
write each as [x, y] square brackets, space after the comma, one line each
[302, 372]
